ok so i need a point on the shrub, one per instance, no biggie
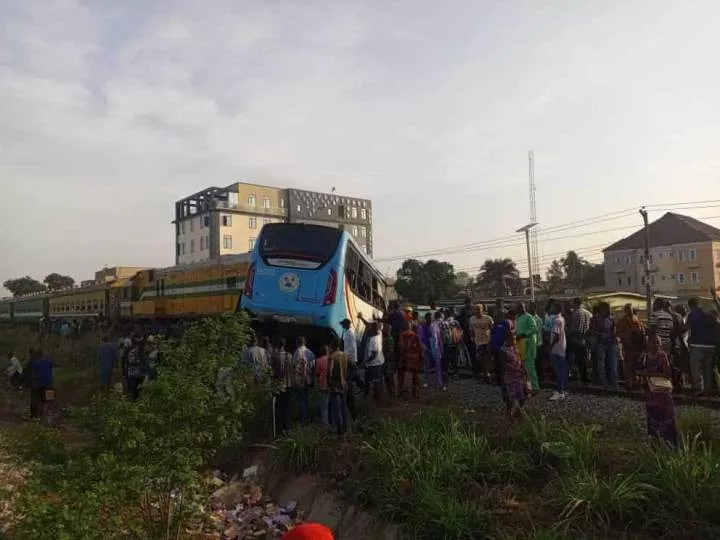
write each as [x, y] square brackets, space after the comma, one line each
[145, 449]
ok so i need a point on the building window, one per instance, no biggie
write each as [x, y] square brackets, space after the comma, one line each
[329, 211]
[681, 255]
[652, 279]
[617, 260]
[266, 221]
[364, 248]
[627, 259]
[192, 246]
[660, 255]
[266, 202]
[192, 225]
[299, 208]
[692, 255]
[642, 280]
[694, 278]
[251, 243]
[282, 202]
[671, 254]
[363, 232]
[641, 258]
[207, 242]
[183, 248]
[629, 281]
[363, 213]
[353, 212]
[354, 230]
[227, 241]
[227, 221]
[182, 227]
[681, 278]
[252, 201]
[178, 249]
[205, 220]
[252, 223]
[202, 243]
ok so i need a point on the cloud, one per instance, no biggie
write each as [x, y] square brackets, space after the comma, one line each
[111, 112]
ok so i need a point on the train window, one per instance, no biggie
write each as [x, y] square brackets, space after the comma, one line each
[95, 305]
[231, 282]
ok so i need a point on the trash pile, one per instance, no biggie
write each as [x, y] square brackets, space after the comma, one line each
[240, 510]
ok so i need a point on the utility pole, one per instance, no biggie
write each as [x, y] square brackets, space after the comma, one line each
[648, 289]
[526, 229]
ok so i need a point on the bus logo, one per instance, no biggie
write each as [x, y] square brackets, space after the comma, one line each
[289, 282]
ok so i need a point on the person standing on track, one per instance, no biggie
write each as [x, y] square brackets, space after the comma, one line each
[631, 332]
[374, 362]
[303, 365]
[527, 337]
[424, 333]
[607, 347]
[577, 342]
[480, 326]
[558, 351]
[411, 360]
[514, 376]
[436, 348]
[661, 324]
[338, 384]
[701, 341]
[659, 406]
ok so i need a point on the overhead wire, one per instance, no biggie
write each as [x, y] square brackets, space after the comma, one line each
[513, 240]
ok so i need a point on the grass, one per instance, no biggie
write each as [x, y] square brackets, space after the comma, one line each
[696, 421]
[298, 451]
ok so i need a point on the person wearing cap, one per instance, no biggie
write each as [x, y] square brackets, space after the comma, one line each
[309, 531]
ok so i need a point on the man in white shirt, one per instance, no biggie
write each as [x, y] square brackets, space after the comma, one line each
[558, 350]
[374, 360]
[349, 341]
[15, 370]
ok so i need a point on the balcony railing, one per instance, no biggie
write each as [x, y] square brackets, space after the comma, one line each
[271, 211]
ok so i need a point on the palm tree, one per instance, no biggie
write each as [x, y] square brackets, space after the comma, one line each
[498, 275]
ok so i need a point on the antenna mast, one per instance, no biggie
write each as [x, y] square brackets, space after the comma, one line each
[533, 215]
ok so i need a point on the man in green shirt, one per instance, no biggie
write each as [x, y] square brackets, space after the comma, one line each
[527, 333]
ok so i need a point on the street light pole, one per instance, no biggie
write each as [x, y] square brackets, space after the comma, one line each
[526, 230]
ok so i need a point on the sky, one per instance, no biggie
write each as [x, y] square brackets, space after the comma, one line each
[111, 111]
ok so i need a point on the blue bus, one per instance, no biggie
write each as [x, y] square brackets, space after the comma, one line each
[305, 279]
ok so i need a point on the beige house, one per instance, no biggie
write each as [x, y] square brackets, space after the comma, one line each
[222, 221]
[684, 258]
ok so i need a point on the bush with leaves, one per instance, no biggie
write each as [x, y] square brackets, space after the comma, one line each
[149, 454]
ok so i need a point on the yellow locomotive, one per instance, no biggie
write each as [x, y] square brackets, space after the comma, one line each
[198, 289]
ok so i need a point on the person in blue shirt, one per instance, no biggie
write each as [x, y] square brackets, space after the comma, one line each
[41, 379]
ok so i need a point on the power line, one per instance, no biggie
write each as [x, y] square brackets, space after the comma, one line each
[513, 240]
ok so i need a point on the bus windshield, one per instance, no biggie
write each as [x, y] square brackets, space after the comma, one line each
[284, 242]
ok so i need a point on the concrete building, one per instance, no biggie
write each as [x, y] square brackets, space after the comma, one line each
[684, 258]
[220, 221]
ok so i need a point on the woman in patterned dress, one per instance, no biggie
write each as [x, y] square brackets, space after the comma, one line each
[514, 376]
[659, 406]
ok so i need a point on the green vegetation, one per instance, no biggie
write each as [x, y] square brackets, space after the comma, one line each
[138, 472]
[441, 477]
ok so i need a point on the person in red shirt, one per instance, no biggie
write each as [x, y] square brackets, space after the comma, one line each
[410, 361]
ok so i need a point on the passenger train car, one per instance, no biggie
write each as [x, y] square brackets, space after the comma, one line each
[310, 277]
[192, 290]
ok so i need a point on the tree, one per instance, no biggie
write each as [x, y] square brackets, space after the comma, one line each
[24, 285]
[594, 276]
[56, 281]
[555, 278]
[499, 276]
[425, 282]
[574, 267]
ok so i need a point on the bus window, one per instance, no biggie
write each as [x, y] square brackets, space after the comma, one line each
[298, 242]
